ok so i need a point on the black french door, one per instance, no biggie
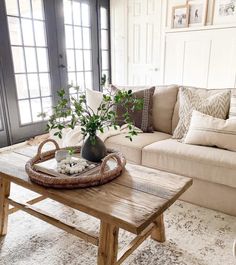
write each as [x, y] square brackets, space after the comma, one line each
[46, 45]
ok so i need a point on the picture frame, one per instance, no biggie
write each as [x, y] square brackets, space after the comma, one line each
[197, 13]
[180, 16]
[224, 11]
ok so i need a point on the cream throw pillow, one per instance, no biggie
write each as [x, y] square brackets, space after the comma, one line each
[94, 99]
[232, 110]
[211, 102]
[210, 131]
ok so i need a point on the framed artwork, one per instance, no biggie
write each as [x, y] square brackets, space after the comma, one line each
[197, 13]
[224, 11]
[180, 16]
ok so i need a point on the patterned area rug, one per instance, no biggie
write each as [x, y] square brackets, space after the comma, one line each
[195, 236]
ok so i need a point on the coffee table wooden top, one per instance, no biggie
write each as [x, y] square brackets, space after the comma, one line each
[132, 201]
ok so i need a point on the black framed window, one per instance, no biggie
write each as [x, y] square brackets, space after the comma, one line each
[44, 46]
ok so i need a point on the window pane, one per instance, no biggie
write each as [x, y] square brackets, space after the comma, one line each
[47, 106]
[25, 115]
[105, 64]
[70, 60]
[1, 125]
[78, 37]
[72, 79]
[104, 39]
[42, 59]
[86, 38]
[12, 7]
[39, 27]
[30, 58]
[45, 84]
[25, 9]
[27, 29]
[67, 11]
[79, 60]
[33, 85]
[69, 37]
[14, 30]
[80, 80]
[37, 9]
[76, 13]
[21, 86]
[88, 80]
[104, 19]
[36, 109]
[18, 59]
[107, 76]
[87, 61]
[85, 15]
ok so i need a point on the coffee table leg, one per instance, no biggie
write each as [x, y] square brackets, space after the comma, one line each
[4, 205]
[108, 244]
[158, 232]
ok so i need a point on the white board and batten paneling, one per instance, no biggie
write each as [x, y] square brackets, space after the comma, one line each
[145, 53]
[205, 58]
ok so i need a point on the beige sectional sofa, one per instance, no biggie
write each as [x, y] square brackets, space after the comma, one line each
[213, 170]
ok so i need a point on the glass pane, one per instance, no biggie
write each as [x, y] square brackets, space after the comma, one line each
[69, 37]
[45, 84]
[88, 80]
[67, 11]
[72, 79]
[87, 61]
[42, 59]
[79, 60]
[104, 20]
[14, 30]
[70, 60]
[25, 113]
[85, 14]
[33, 85]
[12, 7]
[37, 9]
[104, 39]
[21, 86]
[36, 109]
[47, 106]
[30, 58]
[18, 59]
[80, 80]
[76, 13]
[27, 29]
[39, 27]
[25, 9]
[86, 38]
[78, 37]
[1, 125]
[105, 64]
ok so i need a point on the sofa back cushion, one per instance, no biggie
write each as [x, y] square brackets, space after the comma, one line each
[164, 100]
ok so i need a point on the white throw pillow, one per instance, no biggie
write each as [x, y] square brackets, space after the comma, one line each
[209, 131]
[232, 110]
[94, 99]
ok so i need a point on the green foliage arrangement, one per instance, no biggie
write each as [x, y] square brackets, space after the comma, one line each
[69, 113]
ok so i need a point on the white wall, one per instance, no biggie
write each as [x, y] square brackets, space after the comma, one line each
[204, 57]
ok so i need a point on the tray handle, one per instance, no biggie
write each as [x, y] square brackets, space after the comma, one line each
[105, 160]
[42, 145]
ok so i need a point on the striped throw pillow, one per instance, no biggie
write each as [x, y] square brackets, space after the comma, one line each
[209, 131]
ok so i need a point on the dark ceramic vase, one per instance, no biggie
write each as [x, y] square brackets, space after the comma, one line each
[93, 151]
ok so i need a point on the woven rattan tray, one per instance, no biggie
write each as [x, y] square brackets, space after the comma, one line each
[104, 174]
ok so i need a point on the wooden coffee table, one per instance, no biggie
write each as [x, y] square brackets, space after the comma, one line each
[134, 202]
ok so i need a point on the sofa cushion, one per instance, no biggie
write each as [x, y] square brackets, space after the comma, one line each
[164, 100]
[232, 110]
[201, 162]
[133, 150]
